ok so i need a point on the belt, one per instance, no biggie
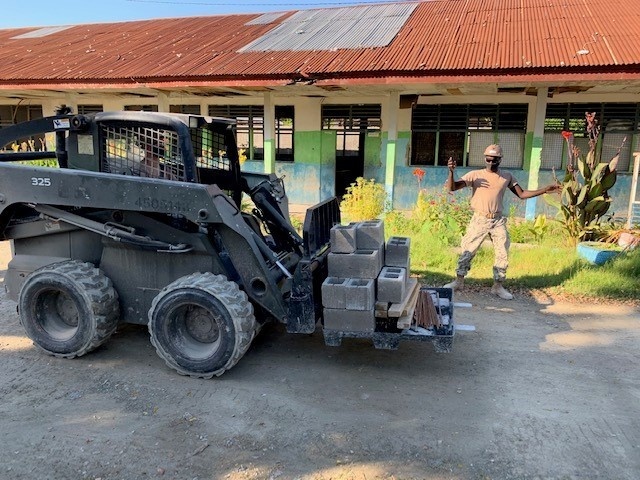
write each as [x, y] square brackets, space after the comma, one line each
[488, 215]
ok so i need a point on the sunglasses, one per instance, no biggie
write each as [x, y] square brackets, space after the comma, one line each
[492, 159]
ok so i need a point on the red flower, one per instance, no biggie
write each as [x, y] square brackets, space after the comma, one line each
[566, 134]
[418, 172]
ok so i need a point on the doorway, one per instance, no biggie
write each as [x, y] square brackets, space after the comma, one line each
[352, 124]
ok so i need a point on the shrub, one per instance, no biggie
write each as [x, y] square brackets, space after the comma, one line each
[585, 199]
[364, 200]
[440, 214]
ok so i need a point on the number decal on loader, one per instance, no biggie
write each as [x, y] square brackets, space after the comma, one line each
[156, 204]
[40, 181]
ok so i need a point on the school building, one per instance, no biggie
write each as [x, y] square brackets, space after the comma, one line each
[325, 95]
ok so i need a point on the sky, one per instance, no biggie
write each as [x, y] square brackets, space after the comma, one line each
[31, 13]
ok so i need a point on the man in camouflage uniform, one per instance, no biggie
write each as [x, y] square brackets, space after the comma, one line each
[488, 187]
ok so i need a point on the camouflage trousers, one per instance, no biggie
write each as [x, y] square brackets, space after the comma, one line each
[477, 231]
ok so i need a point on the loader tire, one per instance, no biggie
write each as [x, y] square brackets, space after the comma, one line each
[68, 309]
[202, 324]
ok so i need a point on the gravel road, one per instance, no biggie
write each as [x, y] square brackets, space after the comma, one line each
[540, 390]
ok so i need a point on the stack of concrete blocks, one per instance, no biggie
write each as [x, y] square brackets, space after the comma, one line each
[354, 263]
[359, 262]
[393, 280]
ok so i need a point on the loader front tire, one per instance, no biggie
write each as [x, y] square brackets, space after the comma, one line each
[68, 309]
[202, 324]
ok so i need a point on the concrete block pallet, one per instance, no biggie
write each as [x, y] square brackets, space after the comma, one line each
[369, 292]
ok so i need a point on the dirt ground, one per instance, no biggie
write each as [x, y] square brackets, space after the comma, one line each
[541, 390]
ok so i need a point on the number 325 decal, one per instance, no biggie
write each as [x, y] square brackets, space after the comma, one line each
[40, 181]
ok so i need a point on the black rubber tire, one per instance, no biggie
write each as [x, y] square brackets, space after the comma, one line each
[68, 308]
[202, 324]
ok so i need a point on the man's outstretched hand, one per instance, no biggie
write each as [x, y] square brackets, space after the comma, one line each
[554, 187]
[451, 164]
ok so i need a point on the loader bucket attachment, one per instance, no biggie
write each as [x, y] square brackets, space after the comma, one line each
[305, 302]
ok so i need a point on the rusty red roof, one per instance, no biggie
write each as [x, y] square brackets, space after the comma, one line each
[438, 39]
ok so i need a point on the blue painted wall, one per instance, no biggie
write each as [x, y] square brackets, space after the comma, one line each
[311, 181]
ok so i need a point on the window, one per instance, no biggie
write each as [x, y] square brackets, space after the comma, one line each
[141, 108]
[249, 126]
[186, 109]
[250, 129]
[88, 109]
[12, 114]
[284, 133]
[618, 121]
[462, 132]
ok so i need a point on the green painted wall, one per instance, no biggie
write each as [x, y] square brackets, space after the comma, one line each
[308, 147]
[372, 149]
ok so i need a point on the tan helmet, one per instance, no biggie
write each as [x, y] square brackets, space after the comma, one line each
[493, 151]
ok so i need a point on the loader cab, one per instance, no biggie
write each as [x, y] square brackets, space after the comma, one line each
[175, 147]
[167, 146]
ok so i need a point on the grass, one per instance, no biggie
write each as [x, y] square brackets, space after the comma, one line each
[549, 265]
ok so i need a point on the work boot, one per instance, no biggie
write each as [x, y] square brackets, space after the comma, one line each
[500, 291]
[457, 284]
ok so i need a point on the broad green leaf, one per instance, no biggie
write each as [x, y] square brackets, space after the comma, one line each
[581, 168]
[597, 173]
[593, 204]
[609, 180]
[582, 196]
[595, 191]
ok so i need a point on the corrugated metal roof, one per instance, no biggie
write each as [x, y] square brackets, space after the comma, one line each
[324, 29]
[41, 32]
[439, 38]
[265, 18]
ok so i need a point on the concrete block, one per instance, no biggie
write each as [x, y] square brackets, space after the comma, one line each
[343, 238]
[369, 234]
[392, 284]
[349, 320]
[360, 294]
[359, 264]
[334, 292]
[397, 252]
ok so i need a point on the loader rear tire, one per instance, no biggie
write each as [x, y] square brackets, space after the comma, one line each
[68, 308]
[202, 324]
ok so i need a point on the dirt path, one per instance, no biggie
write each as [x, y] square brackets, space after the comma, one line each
[538, 391]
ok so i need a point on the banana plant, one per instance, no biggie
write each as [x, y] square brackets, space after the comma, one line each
[585, 187]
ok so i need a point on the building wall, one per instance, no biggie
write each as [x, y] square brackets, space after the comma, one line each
[311, 178]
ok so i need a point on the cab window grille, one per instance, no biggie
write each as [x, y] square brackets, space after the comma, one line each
[141, 151]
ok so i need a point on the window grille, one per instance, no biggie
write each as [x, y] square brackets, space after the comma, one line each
[186, 109]
[12, 114]
[443, 131]
[617, 121]
[141, 108]
[89, 109]
[351, 117]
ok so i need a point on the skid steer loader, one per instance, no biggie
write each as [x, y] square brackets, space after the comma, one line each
[143, 222]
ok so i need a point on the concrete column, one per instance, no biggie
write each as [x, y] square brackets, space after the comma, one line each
[163, 102]
[49, 106]
[112, 103]
[390, 119]
[269, 134]
[540, 110]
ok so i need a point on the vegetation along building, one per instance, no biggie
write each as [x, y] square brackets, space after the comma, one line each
[326, 95]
